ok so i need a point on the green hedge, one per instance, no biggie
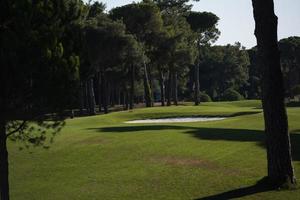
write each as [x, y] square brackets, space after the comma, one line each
[232, 95]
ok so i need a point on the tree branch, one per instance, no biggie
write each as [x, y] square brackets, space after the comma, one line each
[21, 126]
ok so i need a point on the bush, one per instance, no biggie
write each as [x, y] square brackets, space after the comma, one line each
[204, 97]
[296, 90]
[232, 95]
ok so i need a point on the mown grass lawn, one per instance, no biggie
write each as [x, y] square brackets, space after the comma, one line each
[103, 158]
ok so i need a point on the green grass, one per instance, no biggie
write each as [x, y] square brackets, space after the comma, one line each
[103, 158]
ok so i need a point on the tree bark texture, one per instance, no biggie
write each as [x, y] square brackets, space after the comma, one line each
[4, 183]
[99, 91]
[91, 97]
[126, 99]
[132, 77]
[280, 168]
[104, 93]
[82, 91]
[86, 96]
[147, 88]
[175, 88]
[197, 86]
[162, 88]
[169, 88]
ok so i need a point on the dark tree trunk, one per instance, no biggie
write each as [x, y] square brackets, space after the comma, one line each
[169, 88]
[151, 87]
[104, 93]
[118, 95]
[86, 96]
[175, 88]
[197, 86]
[162, 87]
[4, 184]
[99, 92]
[108, 92]
[91, 97]
[82, 91]
[132, 77]
[126, 99]
[280, 168]
[112, 95]
[147, 88]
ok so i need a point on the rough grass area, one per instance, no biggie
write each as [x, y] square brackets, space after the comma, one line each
[103, 158]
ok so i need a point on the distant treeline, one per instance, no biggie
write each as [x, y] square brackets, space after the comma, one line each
[147, 52]
[170, 59]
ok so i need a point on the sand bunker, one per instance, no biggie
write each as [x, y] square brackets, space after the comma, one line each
[176, 120]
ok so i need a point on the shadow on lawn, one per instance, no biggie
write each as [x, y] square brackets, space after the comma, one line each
[238, 135]
[244, 135]
[121, 129]
[259, 187]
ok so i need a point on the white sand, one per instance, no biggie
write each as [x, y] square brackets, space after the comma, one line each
[176, 120]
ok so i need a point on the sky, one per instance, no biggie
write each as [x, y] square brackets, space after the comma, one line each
[236, 18]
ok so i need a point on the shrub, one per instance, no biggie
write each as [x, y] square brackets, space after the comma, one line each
[232, 95]
[204, 97]
[296, 90]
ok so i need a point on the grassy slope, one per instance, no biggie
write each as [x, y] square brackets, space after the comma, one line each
[102, 158]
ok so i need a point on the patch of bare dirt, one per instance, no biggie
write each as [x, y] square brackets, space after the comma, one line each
[196, 163]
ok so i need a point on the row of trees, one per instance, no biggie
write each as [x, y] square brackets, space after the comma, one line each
[64, 54]
[143, 43]
[232, 66]
[169, 56]
[290, 65]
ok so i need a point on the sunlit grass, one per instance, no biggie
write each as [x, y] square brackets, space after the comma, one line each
[101, 157]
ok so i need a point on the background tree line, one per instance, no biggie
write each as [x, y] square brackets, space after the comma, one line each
[167, 56]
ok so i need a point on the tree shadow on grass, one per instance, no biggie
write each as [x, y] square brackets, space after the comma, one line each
[122, 129]
[244, 135]
[238, 135]
[261, 186]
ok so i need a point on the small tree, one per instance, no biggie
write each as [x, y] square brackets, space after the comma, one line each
[204, 25]
[205, 97]
[232, 95]
[296, 90]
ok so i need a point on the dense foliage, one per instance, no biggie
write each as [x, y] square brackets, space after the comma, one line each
[231, 95]
[66, 57]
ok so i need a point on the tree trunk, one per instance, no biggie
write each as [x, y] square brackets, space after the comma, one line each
[147, 88]
[99, 92]
[104, 93]
[175, 88]
[118, 95]
[108, 93]
[169, 89]
[81, 97]
[197, 86]
[126, 99]
[131, 100]
[91, 97]
[86, 96]
[151, 86]
[280, 168]
[4, 185]
[162, 87]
